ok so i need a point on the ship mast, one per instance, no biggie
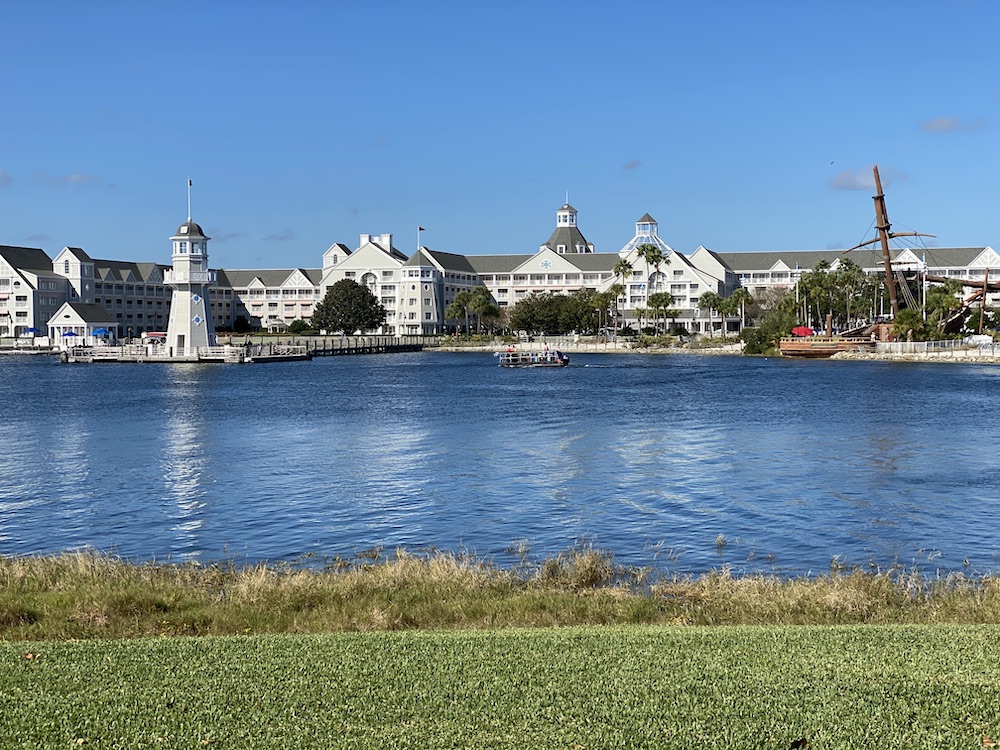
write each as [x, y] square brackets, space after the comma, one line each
[883, 226]
[884, 235]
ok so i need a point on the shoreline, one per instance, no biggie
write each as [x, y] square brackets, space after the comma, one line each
[970, 355]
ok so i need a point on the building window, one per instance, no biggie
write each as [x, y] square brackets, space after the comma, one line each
[427, 301]
[427, 316]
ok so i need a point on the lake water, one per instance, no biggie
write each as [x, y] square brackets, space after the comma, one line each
[654, 458]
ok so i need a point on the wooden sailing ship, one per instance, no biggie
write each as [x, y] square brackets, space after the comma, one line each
[827, 346]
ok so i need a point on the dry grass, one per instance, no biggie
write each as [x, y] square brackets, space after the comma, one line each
[87, 595]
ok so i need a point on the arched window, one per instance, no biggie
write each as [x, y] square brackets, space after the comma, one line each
[66, 266]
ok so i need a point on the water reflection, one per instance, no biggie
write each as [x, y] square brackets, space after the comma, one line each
[653, 458]
[184, 461]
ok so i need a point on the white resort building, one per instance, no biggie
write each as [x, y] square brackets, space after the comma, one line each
[84, 299]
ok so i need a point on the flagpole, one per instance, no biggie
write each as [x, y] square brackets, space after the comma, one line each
[189, 199]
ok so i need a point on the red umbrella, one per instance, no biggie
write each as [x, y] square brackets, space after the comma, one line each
[802, 331]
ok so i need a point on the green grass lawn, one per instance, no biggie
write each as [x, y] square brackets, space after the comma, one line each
[863, 686]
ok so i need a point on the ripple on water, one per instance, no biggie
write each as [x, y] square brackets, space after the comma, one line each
[686, 463]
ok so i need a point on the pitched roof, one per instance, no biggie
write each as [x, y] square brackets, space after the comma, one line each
[568, 237]
[80, 253]
[586, 262]
[269, 277]
[117, 270]
[26, 258]
[448, 261]
[865, 258]
[92, 312]
[490, 264]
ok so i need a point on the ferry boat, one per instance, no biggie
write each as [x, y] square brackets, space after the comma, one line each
[514, 358]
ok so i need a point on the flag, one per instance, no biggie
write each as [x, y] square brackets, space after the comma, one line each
[421, 229]
[189, 182]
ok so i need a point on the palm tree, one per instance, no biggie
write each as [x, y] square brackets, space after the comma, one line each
[654, 257]
[615, 291]
[460, 306]
[673, 315]
[640, 312]
[709, 301]
[482, 304]
[622, 270]
[659, 302]
[740, 298]
[727, 307]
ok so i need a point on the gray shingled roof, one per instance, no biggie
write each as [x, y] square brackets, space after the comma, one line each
[865, 258]
[93, 313]
[592, 262]
[646, 219]
[570, 237]
[273, 277]
[447, 261]
[193, 230]
[493, 264]
[116, 270]
[27, 258]
[80, 253]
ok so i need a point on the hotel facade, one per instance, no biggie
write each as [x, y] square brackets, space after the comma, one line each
[45, 296]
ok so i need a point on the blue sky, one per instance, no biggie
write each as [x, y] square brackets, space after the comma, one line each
[738, 125]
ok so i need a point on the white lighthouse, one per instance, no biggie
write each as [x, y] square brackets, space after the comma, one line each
[190, 325]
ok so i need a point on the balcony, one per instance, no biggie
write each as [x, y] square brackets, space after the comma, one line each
[189, 277]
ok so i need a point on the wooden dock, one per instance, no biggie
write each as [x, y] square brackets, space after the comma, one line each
[327, 347]
[263, 350]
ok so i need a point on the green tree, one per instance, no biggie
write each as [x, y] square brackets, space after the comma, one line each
[727, 307]
[654, 257]
[776, 322]
[615, 291]
[482, 304]
[942, 303]
[622, 270]
[577, 311]
[459, 307]
[909, 325]
[348, 307]
[741, 298]
[709, 301]
[658, 303]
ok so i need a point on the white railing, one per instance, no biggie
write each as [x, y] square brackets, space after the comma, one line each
[191, 277]
[931, 347]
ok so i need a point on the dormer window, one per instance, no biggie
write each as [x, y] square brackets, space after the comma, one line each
[184, 229]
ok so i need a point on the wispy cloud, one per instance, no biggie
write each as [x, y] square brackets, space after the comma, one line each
[282, 236]
[77, 180]
[630, 165]
[863, 179]
[218, 235]
[952, 125]
[5, 179]
[37, 238]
